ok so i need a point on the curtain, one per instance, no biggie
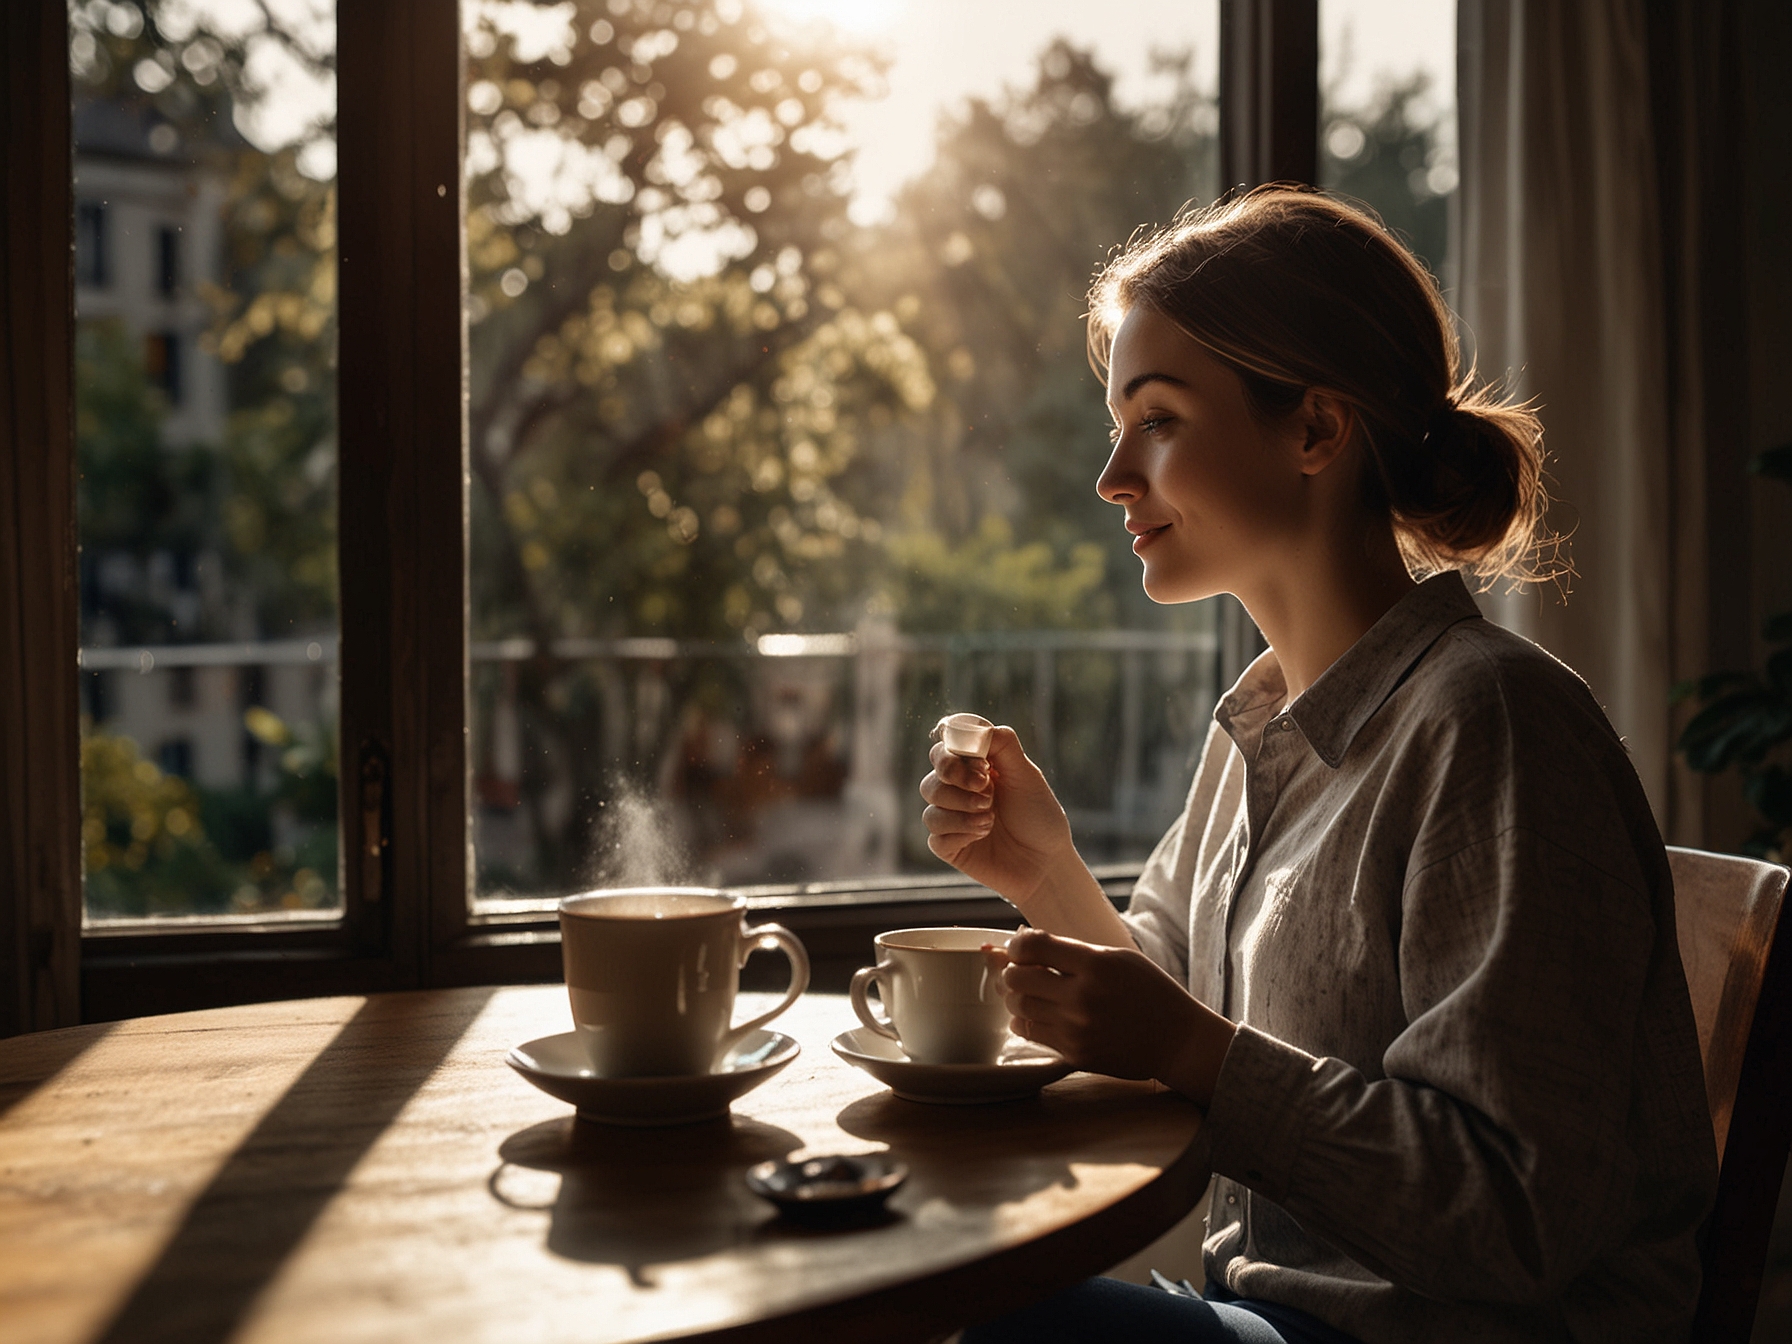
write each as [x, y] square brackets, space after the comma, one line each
[1584, 284]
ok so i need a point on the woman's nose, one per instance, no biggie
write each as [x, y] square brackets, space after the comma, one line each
[1119, 483]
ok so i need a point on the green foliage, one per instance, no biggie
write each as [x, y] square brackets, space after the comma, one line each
[1745, 718]
[656, 440]
[988, 582]
[153, 844]
[275, 329]
[308, 763]
[136, 496]
[1391, 170]
[262, 501]
[989, 261]
[142, 844]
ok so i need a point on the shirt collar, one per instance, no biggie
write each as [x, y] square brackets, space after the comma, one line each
[1334, 708]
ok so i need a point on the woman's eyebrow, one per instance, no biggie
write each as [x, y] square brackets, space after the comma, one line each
[1131, 389]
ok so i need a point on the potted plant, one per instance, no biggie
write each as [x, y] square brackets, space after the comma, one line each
[1745, 719]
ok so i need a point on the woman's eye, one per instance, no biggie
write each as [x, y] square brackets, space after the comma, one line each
[1149, 425]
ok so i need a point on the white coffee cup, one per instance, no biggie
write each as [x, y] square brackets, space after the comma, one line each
[652, 973]
[965, 734]
[943, 1002]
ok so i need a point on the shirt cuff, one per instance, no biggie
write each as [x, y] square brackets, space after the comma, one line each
[1256, 1122]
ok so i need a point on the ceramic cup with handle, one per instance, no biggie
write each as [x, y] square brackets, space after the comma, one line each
[652, 973]
[943, 1003]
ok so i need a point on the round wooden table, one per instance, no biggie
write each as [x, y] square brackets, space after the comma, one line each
[369, 1169]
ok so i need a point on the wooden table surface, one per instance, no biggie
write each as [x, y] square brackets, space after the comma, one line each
[369, 1169]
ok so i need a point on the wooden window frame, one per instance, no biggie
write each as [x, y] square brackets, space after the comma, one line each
[408, 920]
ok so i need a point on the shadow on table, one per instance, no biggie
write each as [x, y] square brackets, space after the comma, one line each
[1076, 1119]
[640, 1197]
[265, 1198]
[32, 1061]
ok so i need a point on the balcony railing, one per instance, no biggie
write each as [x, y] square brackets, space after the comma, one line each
[798, 773]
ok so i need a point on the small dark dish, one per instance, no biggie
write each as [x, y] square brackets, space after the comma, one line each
[829, 1189]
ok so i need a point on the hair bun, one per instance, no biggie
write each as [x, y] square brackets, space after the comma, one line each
[1470, 491]
[1442, 425]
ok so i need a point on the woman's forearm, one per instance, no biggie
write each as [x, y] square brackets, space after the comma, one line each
[1069, 901]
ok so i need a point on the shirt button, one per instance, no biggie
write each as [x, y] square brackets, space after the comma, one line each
[1232, 1199]
[1287, 725]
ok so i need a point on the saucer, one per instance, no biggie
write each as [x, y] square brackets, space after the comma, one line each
[558, 1066]
[1022, 1070]
[829, 1189]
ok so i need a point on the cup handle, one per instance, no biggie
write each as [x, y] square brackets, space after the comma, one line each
[766, 937]
[862, 980]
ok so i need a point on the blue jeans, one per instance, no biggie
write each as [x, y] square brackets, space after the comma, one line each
[1097, 1311]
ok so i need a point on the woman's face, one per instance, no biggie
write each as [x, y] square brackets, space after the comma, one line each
[1212, 495]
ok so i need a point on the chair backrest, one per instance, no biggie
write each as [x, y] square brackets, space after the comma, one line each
[1739, 973]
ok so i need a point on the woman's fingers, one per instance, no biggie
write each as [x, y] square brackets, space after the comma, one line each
[1035, 947]
[969, 772]
[940, 793]
[945, 821]
[1039, 981]
[954, 786]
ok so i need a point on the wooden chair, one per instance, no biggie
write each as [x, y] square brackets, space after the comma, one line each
[1739, 971]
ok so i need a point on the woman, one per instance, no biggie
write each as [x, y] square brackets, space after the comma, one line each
[1411, 944]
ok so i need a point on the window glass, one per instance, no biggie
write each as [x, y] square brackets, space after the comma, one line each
[1387, 115]
[783, 436]
[204, 167]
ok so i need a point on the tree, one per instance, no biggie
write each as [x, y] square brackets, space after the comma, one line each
[192, 78]
[1393, 157]
[660, 357]
[991, 255]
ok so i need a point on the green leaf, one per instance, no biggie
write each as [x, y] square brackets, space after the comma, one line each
[1775, 463]
[1737, 728]
[1714, 684]
[1769, 792]
[1779, 672]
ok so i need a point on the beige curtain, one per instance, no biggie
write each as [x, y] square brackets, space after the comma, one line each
[1561, 290]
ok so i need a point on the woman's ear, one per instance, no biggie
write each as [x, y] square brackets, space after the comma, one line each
[1328, 423]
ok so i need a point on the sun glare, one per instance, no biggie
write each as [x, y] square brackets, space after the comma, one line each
[854, 16]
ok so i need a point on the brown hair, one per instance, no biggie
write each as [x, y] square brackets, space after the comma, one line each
[1294, 290]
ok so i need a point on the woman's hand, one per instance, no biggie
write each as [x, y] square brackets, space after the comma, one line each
[997, 820]
[1112, 1010]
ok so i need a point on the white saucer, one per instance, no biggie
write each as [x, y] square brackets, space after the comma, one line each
[1022, 1070]
[558, 1066]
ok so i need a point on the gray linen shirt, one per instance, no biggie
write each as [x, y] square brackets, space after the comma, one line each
[1465, 1100]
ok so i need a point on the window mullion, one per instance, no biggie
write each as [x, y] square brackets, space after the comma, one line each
[403, 493]
[1269, 91]
[40, 814]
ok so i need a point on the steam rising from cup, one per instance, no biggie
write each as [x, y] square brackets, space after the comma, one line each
[638, 844]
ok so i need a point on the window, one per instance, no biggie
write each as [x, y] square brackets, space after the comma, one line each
[207, 462]
[832, 419]
[816, 672]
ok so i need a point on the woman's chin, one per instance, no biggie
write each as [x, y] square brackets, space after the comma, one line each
[1173, 590]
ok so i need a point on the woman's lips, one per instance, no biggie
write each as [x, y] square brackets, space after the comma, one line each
[1145, 538]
